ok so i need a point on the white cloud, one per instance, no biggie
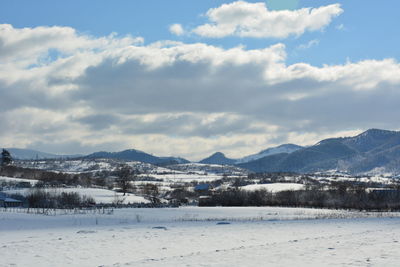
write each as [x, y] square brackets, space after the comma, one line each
[340, 27]
[176, 29]
[245, 19]
[308, 45]
[181, 99]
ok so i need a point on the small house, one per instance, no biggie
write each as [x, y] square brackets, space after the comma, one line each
[203, 188]
[7, 202]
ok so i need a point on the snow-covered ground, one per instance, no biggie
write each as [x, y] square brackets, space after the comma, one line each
[17, 180]
[187, 177]
[195, 237]
[275, 187]
[366, 179]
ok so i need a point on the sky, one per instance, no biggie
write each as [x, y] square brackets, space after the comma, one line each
[189, 78]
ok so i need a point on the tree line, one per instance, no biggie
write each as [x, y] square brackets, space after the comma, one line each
[337, 196]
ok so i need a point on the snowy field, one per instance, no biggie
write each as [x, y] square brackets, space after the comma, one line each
[201, 237]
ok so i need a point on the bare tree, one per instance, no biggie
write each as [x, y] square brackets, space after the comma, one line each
[125, 176]
[118, 200]
[152, 192]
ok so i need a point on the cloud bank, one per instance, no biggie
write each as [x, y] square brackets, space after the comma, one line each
[67, 92]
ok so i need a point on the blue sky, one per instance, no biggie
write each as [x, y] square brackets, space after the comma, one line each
[82, 76]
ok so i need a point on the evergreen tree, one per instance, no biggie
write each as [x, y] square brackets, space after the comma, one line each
[6, 158]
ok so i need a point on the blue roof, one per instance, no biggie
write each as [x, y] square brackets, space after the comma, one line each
[202, 187]
[5, 198]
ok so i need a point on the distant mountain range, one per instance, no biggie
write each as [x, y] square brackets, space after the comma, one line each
[286, 148]
[221, 159]
[137, 155]
[373, 151]
[218, 158]
[130, 154]
[26, 154]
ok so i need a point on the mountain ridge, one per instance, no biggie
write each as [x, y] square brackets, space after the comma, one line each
[285, 148]
[218, 158]
[29, 154]
[137, 155]
[371, 149]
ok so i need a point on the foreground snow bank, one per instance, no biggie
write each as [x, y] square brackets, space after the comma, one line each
[355, 242]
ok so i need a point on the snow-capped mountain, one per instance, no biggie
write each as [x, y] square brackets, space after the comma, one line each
[286, 148]
[371, 150]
